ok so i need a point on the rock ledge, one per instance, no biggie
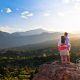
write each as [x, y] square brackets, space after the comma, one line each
[58, 72]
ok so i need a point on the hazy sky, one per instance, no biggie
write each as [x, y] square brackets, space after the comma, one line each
[52, 15]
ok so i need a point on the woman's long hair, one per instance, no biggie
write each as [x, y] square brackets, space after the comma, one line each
[62, 39]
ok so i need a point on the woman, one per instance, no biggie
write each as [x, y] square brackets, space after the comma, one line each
[64, 50]
[66, 37]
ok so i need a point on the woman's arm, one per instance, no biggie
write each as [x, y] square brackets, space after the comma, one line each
[69, 46]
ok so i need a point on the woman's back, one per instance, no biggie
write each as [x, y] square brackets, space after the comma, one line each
[62, 47]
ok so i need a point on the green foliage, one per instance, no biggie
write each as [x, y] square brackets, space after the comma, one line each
[12, 73]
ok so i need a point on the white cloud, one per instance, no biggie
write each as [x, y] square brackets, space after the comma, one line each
[61, 14]
[8, 10]
[78, 0]
[5, 29]
[77, 6]
[66, 1]
[21, 30]
[11, 29]
[46, 14]
[26, 14]
[73, 0]
[30, 14]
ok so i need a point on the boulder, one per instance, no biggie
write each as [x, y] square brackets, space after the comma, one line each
[58, 72]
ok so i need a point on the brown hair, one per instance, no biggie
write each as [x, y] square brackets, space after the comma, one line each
[65, 33]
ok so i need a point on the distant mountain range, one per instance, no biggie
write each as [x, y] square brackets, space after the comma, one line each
[27, 39]
[17, 39]
[31, 32]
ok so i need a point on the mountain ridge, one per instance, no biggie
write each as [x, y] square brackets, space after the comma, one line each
[30, 32]
[8, 40]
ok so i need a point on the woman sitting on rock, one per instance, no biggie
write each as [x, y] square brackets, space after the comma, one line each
[64, 50]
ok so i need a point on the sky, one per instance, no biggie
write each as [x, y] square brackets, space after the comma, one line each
[51, 15]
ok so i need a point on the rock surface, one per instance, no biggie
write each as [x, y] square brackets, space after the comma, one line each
[58, 72]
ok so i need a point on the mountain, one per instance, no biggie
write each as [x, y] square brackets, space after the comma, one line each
[31, 39]
[31, 32]
[4, 34]
[8, 40]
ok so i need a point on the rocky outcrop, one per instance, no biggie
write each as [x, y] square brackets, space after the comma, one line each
[58, 72]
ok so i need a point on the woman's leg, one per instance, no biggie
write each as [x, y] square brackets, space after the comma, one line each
[65, 59]
[68, 58]
[62, 59]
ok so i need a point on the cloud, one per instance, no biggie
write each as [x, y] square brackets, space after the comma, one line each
[5, 29]
[46, 14]
[26, 14]
[77, 6]
[61, 14]
[78, 0]
[66, 1]
[21, 30]
[30, 14]
[8, 10]
[11, 29]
